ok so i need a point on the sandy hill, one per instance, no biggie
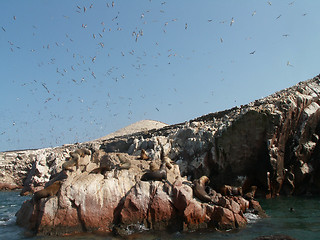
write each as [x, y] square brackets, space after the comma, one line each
[143, 125]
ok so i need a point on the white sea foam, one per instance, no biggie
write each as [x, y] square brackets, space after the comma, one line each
[135, 228]
[251, 217]
[7, 220]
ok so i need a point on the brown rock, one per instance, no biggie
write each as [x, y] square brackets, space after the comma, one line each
[234, 206]
[240, 220]
[181, 195]
[244, 204]
[136, 204]
[224, 218]
[162, 212]
[255, 205]
[195, 216]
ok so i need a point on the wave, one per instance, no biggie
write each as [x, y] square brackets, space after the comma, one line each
[5, 221]
[251, 217]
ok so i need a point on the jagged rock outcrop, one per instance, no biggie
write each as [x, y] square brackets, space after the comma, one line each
[272, 143]
[118, 201]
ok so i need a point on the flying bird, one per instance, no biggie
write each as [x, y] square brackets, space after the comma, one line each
[93, 75]
[254, 13]
[252, 52]
[48, 99]
[232, 21]
[269, 3]
[44, 85]
[289, 64]
[279, 16]
[186, 26]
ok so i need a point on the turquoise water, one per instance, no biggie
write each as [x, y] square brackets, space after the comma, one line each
[303, 223]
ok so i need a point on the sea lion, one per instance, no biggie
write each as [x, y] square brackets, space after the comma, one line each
[199, 189]
[168, 162]
[48, 191]
[101, 170]
[144, 155]
[153, 166]
[250, 195]
[158, 175]
[227, 190]
[74, 158]
[288, 186]
[124, 162]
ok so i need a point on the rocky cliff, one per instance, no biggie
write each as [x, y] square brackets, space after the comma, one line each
[272, 143]
[118, 201]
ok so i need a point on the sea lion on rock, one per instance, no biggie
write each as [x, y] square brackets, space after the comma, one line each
[144, 155]
[74, 158]
[49, 191]
[101, 170]
[157, 175]
[227, 190]
[124, 162]
[168, 162]
[153, 166]
[288, 186]
[199, 189]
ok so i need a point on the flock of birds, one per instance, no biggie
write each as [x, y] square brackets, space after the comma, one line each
[83, 69]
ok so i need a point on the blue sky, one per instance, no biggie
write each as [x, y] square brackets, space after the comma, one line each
[74, 71]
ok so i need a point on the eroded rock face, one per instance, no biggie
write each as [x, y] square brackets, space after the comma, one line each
[117, 201]
[260, 141]
[272, 143]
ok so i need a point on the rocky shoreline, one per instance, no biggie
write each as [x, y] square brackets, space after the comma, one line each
[272, 144]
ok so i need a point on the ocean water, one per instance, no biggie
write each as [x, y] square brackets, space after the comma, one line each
[302, 223]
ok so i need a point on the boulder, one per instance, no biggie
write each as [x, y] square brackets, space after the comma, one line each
[117, 201]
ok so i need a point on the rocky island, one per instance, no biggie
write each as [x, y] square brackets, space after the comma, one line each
[200, 174]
